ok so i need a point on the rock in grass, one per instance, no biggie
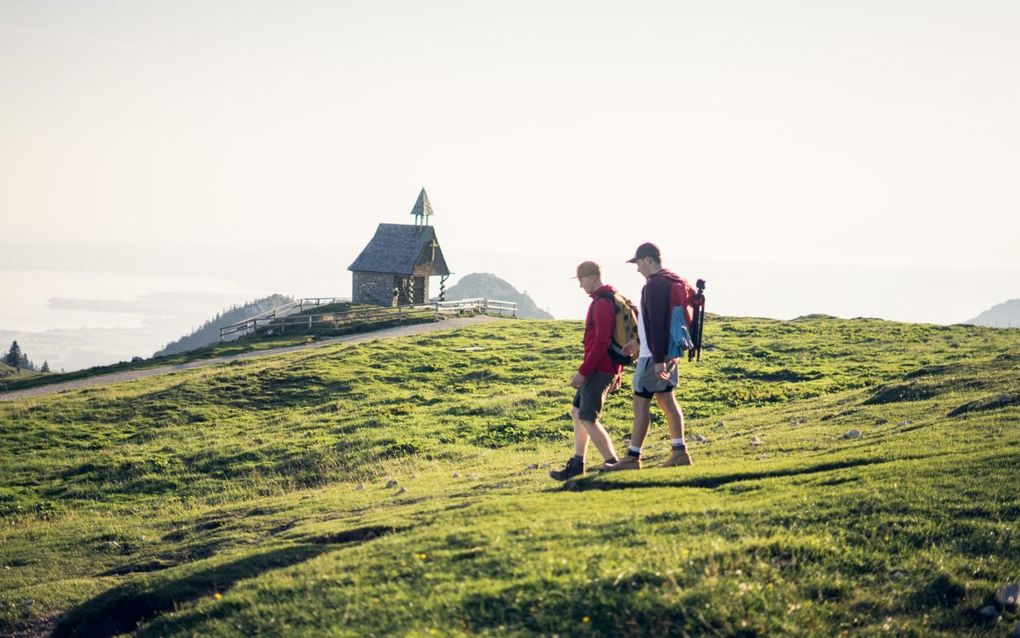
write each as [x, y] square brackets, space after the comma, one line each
[1008, 597]
[852, 434]
[533, 466]
[756, 441]
[391, 483]
[700, 438]
[402, 490]
[544, 466]
[989, 613]
[907, 422]
[360, 487]
[456, 475]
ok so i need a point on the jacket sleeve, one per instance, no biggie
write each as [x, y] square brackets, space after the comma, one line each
[604, 323]
[657, 326]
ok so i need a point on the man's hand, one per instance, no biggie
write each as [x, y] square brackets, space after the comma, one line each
[616, 383]
[664, 369]
[577, 381]
[631, 348]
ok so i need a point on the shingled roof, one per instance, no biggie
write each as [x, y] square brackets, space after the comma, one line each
[422, 207]
[401, 249]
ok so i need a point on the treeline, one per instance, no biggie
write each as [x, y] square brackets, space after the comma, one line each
[209, 332]
[18, 360]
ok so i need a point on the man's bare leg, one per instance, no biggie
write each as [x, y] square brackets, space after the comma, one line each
[674, 415]
[580, 434]
[575, 465]
[638, 432]
[675, 419]
[642, 420]
[598, 435]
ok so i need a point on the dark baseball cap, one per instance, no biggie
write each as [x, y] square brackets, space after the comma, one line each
[586, 269]
[647, 249]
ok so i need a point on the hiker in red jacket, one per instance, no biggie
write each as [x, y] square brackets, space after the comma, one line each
[656, 374]
[596, 377]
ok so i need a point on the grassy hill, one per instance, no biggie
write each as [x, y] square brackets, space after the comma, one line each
[208, 333]
[397, 487]
[480, 284]
[9, 374]
[275, 336]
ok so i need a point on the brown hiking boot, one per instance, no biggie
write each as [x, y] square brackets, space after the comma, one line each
[628, 462]
[678, 457]
[573, 468]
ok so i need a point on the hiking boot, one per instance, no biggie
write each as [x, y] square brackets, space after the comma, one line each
[678, 457]
[570, 470]
[628, 462]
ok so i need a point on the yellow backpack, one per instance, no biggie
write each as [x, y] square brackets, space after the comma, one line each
[626, 327]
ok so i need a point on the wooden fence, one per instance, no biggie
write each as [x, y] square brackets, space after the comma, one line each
[285, 318]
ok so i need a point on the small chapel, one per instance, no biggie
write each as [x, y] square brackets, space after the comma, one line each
[396, 265]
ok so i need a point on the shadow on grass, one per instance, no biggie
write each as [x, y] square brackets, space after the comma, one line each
[606, 482]
[121, 609]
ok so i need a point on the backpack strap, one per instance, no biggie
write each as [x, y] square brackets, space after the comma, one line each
[605, 294]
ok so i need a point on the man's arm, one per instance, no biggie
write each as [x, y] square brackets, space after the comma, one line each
[604, 320]
[658, 320]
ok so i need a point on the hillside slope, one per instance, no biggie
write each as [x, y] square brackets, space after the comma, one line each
[490, 286]
[209, 332]
[396, 487]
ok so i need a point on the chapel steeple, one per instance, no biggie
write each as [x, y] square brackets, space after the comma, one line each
[422, 209]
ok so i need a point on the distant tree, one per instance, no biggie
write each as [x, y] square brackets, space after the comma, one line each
[26, 363]
[45, 366]
[13, 356]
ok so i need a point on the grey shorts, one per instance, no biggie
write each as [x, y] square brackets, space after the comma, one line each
[591, 395]
[647, 383]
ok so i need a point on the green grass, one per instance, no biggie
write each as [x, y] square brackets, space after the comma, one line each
[284, 337]
[225, 500]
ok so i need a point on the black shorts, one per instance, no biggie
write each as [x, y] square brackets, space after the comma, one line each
[591, 395]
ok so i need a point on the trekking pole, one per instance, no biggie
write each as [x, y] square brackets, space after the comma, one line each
[699, 321]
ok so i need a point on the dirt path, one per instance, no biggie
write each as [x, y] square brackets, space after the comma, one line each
[115, 377]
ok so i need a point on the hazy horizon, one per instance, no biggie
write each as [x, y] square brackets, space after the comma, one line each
[109, 313]
[823, 157]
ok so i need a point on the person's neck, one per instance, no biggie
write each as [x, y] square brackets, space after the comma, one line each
[653, 270]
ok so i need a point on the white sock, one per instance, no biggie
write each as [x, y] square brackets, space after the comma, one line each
[678, 442]
[635, 449]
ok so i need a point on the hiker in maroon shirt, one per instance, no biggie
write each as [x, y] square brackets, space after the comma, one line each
[596, 377]
[656, 375]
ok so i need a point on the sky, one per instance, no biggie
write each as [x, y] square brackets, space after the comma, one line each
[818, 152]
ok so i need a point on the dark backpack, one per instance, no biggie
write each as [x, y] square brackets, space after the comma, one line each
[626, 329]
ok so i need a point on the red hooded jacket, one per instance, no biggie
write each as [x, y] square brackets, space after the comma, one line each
[598, 332]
